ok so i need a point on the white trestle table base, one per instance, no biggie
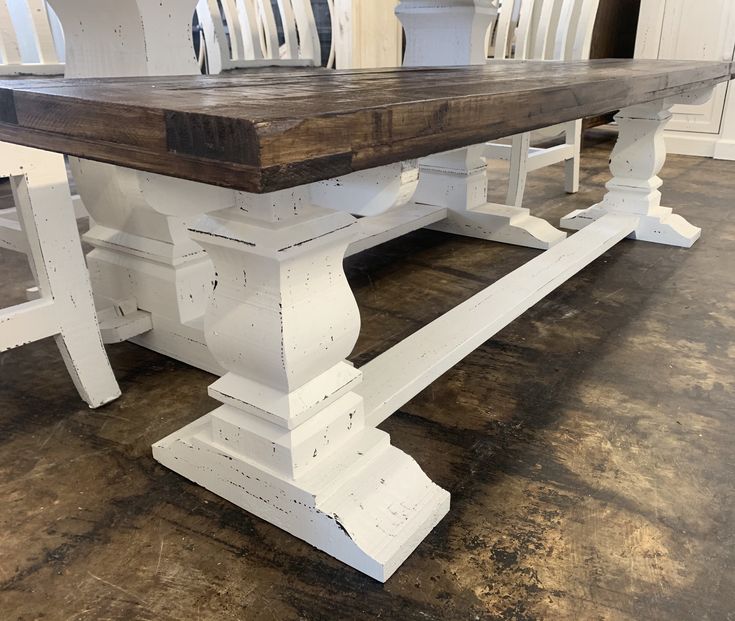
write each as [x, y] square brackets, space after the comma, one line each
[294, 439]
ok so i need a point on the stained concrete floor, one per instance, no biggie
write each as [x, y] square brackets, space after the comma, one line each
[587, 448]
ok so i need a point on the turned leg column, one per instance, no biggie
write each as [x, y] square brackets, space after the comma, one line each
[452, 33]
[638, 157]
[289, 442]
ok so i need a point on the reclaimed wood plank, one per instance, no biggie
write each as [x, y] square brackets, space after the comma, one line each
[241, 131]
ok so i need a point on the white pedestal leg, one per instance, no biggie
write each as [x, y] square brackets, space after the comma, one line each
[441, 33]
[458, 181]
[636, 160]
[290, 443]
[150, 280]
[143, 263]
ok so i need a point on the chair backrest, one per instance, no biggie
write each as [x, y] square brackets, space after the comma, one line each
[242, 33]
[28, 33]
[545, 29]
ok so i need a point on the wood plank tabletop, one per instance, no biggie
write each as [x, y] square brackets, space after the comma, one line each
[272, 129]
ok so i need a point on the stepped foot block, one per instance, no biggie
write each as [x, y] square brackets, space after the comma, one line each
[369, 505]
[502, 223]
[664, 227]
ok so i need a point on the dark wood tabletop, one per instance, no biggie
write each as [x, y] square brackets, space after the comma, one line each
[269, 130]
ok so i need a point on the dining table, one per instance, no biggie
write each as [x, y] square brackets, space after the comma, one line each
[295, 439]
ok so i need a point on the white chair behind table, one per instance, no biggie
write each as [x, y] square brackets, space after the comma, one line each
[43, 225]
[542, 30]
[241, 34]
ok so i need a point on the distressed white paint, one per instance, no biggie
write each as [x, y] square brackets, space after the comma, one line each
[637, 159]
[445, 32]
[369, 192]
[141, 251]
[26, 47]
[65, 308]
[290, 443]
[43, 225]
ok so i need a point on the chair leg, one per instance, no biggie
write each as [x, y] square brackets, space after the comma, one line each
[47, 215]
[518, 169]
[571, 166]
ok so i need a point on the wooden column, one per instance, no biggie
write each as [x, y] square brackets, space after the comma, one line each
[636, 160]
[290, 442]
[449, 33]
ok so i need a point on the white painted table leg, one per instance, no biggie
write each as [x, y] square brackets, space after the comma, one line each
[450, 33]
[143, 263]
[290, 443]
[636, 160]
[458, 181]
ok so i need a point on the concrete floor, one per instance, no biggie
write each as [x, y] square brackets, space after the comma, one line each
[587, 448]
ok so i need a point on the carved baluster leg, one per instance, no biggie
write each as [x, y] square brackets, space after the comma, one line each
[290, 443]
[441, 33]
[636, 160]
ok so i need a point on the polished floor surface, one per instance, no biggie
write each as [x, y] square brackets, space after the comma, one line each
[588, 449]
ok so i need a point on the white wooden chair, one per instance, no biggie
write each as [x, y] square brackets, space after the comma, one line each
[239, 34]
[43, 225]
[34, 52]
[542, 30]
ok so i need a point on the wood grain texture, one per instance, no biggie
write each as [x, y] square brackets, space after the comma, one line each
[270, 130]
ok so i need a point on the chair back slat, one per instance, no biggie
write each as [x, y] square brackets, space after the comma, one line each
[564, 40]
[309, 43]
[290, 33]
[546, 29]
[28, 38]
[213, 46]
[522, 50]
[248, 30]
[585, 28]
[504, 29]
[544, 37]
[234, 29]
[9, 49]
[41, 28]
[268, 29]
